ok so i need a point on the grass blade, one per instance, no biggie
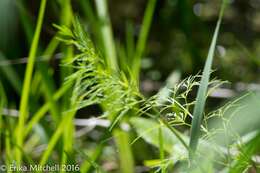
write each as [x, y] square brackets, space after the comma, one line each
[11, 75]
[143, 37]
[27, 82]
[201, 95]
[25, 20]
[107, 34]
[2, 104]
[125, 153]
[44, 109]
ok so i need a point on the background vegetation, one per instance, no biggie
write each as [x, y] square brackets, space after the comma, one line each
[131, 86]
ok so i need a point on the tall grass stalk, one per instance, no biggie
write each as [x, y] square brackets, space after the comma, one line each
[25, 20]
[53, 141]
[2, 104]
[4, 130]
[68, 133]
[202, 92]
[11, 75]
[8, 148]
[126, 158]
[27, 82]
[122, 140]
[149, 11]
[130, 42]
[107, 34]
[44, 109]
[64, 126]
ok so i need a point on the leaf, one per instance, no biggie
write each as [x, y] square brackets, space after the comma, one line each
[149, 130]
[141, 42]
[10, 74]
[27, 82]
[202, 92]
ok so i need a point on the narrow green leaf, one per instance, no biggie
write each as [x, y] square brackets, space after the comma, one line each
[43, 110]
[125, 153]
[107, 34]
[11, 75]
[27, 82]
[2, 104]
[202, 92]
[140, 47]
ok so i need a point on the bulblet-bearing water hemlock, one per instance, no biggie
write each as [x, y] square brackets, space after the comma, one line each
[104, 90]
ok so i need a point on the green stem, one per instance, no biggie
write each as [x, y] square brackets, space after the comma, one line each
[27, 82]
[175, 132]
[43, 110]
[126, 158]
[143, 38]
[161, 148]
[107, 34]
[125, 153]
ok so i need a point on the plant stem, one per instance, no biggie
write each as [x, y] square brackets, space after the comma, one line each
[27, 82]
[143, 38]
[107, 34]
[42, 111]
[161, 147]
[126, 157]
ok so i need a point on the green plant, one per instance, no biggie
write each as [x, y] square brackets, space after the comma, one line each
[138, 131]
[26, 85]
[201, 96]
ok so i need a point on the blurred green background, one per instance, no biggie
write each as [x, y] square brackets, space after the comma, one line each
[178, 43]
[179, 38]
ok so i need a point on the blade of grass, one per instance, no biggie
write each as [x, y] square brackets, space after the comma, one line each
[49, 88]
[43, 110]
[7, 148]
[92, 20]
[201, 95]
[68, 133]
[149, 11]
[46, 78]
[125, 154]
[130, 44]
[86, 165]
[107, 34]
[53, 141]
[27, 82]
[89, 160]
[2, 104]
[126, 160]
[11, 75]
[63, 127]
[25, 20]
